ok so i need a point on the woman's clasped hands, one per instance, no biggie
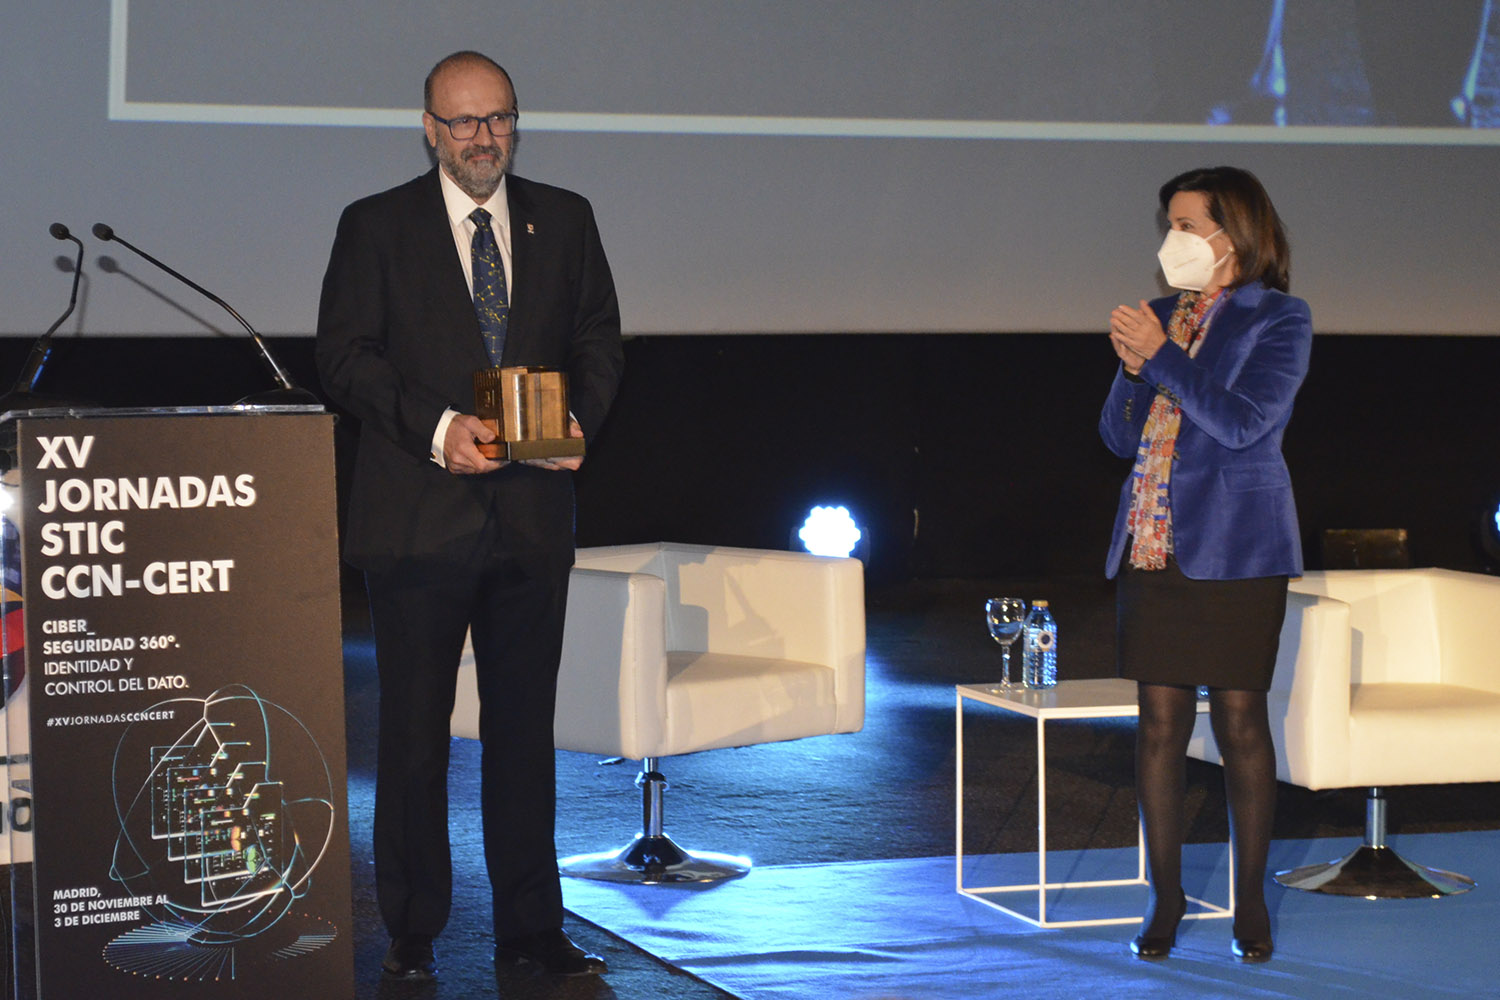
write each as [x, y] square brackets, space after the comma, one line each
[1136, 334]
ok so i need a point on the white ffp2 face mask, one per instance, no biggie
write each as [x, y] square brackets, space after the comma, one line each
[1187, 260]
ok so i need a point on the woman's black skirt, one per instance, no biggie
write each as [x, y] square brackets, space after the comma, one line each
[1173, 630]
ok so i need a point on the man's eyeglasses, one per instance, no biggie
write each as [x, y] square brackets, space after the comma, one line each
[467, 126]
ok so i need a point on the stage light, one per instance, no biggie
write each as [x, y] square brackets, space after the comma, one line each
[1489, 533]
[829, 531]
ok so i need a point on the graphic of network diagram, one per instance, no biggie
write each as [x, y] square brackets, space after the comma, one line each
[211, 833]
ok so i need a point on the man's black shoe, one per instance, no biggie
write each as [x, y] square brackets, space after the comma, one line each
[410, 957]
[551, 952]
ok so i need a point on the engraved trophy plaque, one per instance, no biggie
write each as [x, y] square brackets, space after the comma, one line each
[528, 408]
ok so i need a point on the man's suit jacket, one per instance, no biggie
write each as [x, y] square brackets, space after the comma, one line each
[1233, 515]
[398, 342]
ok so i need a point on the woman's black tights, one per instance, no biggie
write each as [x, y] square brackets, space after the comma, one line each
[1243, 732]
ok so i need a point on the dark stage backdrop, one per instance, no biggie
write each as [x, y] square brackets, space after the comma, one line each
[963, 455]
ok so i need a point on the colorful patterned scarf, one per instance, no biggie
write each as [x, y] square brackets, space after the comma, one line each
[1150, 518]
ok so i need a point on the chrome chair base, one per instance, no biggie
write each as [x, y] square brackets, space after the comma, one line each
[1373, 870]
[654, 860]
[1375, 873]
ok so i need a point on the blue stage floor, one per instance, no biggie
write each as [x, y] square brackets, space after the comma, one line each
[897, 929]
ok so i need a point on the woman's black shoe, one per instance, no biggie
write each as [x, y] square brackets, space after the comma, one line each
[1157, 946]
[1250, 950]
[1152, 948]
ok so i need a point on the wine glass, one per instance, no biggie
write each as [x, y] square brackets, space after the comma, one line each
[1005, 616]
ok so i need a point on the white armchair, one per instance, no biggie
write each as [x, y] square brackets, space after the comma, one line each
[1385, 677]
[671, 649]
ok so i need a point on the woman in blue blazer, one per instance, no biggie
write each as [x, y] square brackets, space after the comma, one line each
[1206, 532]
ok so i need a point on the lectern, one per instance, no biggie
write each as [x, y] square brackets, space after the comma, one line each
[174, 744]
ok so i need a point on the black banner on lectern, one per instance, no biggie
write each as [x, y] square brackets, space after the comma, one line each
[186, 706]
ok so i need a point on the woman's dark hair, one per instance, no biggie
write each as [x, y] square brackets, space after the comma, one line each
[1237, 202]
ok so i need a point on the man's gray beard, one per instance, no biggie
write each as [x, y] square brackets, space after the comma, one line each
[478, 184]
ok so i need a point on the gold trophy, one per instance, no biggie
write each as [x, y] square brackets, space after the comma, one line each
[528, 408]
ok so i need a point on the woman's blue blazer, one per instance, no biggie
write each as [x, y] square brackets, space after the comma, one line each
[1233, 515]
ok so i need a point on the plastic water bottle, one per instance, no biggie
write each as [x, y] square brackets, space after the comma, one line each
[1039, 655]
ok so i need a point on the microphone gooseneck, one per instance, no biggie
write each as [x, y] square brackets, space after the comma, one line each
[41, 351]
[107, 234]
[60, 232]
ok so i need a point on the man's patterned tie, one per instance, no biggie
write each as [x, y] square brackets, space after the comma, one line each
[490, 302]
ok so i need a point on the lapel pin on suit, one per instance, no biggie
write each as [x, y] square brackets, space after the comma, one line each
[530, 229]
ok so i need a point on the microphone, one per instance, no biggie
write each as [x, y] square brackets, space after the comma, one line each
[287, 392]
[21, 396]
[41, 351]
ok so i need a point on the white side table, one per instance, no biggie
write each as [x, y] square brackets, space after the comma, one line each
[1105, 698]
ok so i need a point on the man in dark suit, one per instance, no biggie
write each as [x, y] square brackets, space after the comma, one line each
[421, 291]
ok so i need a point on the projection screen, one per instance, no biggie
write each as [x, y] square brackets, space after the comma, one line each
[766, 165]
